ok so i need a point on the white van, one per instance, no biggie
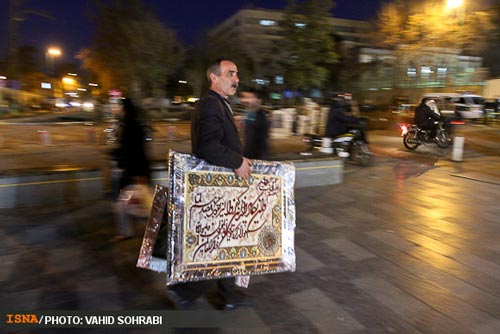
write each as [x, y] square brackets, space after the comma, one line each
[470, 105]
[465, 105]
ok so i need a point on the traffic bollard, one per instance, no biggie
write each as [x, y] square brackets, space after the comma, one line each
[458, 148]
[171, 132]
[45, 137]
[91, 135]
[326, 145]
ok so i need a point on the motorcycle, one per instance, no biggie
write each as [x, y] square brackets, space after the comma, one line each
[413, 136]
[351, 144]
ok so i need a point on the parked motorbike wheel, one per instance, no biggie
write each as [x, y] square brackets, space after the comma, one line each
[410, 140]
[443, 139]
[360, 153]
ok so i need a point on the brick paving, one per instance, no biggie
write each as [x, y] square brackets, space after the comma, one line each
[407, 245]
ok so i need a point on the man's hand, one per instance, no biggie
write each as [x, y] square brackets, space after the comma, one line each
[244, 170]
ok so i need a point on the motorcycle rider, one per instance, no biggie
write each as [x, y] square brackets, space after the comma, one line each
[426, 116]
[339, 122]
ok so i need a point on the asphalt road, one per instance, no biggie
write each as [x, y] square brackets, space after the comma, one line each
[26, 143]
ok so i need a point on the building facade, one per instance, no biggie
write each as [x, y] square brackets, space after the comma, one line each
[369, 72]
[408, 73]
[258, 33]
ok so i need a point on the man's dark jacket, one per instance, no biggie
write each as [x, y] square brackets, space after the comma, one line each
[425, 116]
[338, 122]
[214, 136]
[256, 135]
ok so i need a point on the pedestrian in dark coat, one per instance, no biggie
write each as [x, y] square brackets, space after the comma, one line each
[214, 138]
[256, 125]
[134, 161]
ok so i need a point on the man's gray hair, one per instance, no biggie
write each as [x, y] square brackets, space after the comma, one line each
[215, 67]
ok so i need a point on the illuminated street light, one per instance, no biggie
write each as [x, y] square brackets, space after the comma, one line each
[453, 4]
[68, 81]
[457, 5]
[54, 52]
[50, 55]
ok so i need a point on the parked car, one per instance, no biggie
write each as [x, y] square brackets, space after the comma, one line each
[492, 108]
[469, 106]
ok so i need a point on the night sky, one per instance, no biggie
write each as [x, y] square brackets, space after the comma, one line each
[71, 29]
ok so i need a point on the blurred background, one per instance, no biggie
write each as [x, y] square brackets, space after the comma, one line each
[384, 53]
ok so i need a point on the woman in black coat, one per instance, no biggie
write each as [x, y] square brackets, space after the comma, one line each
[134, 161]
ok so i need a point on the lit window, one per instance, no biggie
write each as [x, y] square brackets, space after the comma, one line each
[441, 72]
[300, 25]
[267, 23]
[366, 59]
[426, 70]
[261, 81]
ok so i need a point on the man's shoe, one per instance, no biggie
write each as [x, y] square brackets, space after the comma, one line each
[179, 302]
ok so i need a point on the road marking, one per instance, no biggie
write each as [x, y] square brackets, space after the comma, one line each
[319, 167]
[474, 178]
[48, 182]
[41, 183]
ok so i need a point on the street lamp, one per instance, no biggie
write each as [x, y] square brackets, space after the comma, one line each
[457, 5]
[453, 4]
[50, 55]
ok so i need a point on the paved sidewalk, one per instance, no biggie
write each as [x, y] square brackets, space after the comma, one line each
[407, 245]
[28, 157]
[403, 246]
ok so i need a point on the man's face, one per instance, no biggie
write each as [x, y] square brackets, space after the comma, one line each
[431, 104]
[226, 83]
[249, 100]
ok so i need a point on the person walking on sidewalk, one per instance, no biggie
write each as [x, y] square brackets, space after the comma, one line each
[133, 161]
[214, 138]
[256, 125]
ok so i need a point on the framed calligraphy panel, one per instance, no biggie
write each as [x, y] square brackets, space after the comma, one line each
[153, 252]
[219, 225]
